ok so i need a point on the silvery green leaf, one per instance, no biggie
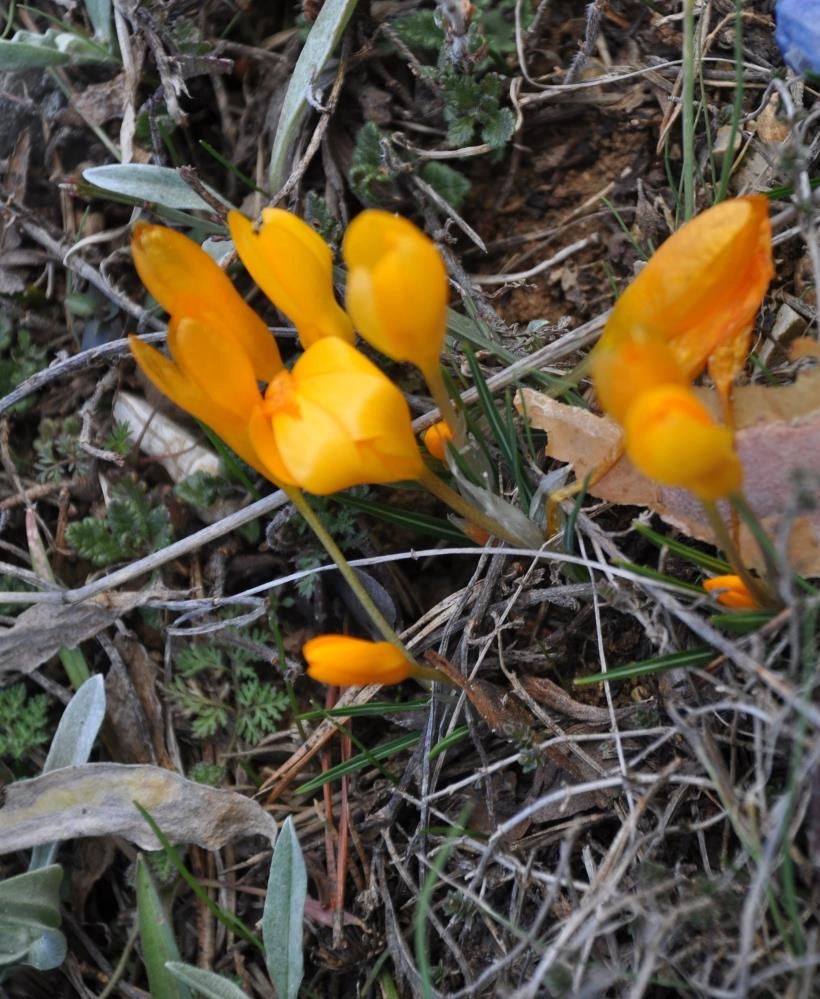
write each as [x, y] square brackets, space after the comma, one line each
[99, 14]
[97, 799]
[31, 50]
[513, 519]
[72, 744]
[207, 983]
[284, 912]
[29, 917]
[145, 182]
[322, 40]
[48, 951]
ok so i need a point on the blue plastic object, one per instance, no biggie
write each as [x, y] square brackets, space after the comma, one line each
[798, 34]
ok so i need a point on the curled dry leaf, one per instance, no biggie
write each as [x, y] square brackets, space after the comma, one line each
[42, 630]
[97, 799]
[778, 437]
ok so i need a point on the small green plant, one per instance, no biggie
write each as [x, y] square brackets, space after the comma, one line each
[471, 104]
[58, 450]
[370, 169]
[447, 182]
[23, 721]
[132, 527]
[201, 490]
[119, 439]
[20, 358]
[217, 687]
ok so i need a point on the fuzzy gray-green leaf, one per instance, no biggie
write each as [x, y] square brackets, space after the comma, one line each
[72, 744]
[322, 40]
[206, 983]
[283, 914]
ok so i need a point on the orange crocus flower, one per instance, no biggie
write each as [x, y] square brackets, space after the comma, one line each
[293, 266]
[672, 438]
[334, 421]
[346, 661]
[730, 591]
[396, 288]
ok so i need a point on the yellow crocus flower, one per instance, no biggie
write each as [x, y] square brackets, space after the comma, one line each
[624, 369]
[700, 290]
[187, 282]
[396, 288]
[335, 421]
[436, 439]
[672, 438]
[293, 266]
[208, 375]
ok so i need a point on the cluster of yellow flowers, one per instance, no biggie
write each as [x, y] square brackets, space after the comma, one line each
[691, 307]
[334, 420]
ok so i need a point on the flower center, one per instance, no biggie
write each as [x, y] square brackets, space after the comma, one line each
[281, 395]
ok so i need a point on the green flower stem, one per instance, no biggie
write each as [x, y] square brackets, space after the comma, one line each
[297, 497]
[749, 518]
[435, 382]
[428, 673]
[757, 589]
[463, 508]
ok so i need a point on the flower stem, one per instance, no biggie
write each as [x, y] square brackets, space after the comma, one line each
[465, 509]
[758, 590]
[297, 497]
[441, 397]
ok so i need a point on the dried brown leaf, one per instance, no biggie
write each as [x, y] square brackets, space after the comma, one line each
[97, 799]
[42, 630]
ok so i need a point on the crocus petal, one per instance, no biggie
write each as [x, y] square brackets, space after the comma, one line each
[397, 287]
[265, 449]
[365, 402]
[624, 369]
[345, 661]
[316, 451]
[671, 437]
[294, 267]
[703, 286]
[187, 282]
[336, 421]
[215, 362]
[731, 592]
[188, 395]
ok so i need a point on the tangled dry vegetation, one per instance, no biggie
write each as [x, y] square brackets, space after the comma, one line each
[514, 836]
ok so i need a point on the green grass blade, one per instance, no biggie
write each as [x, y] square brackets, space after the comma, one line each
[234, 924]
[370, 758]
[676, 660]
